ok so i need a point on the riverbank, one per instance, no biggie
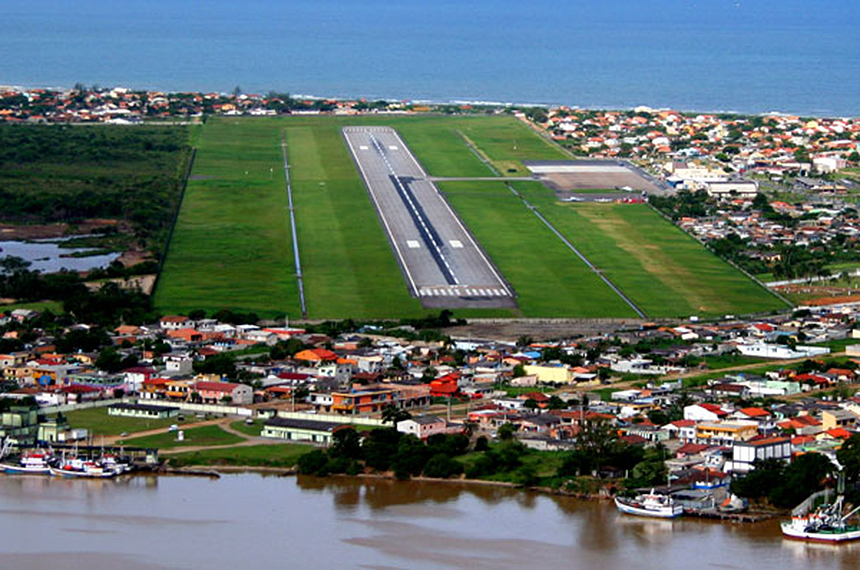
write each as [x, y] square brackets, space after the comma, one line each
[748, 517]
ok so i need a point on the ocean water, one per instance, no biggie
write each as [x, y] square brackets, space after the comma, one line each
[795, 56]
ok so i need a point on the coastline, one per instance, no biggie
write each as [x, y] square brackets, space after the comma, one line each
[494, 104]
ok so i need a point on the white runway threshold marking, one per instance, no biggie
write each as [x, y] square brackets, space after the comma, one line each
[392, 147]
[456, 244]
[362, 147]
[413, 244]
[461, 291]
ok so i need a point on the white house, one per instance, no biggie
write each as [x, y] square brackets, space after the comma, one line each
[746, 453]
[765, 350]
[682, 430]
[178, 364]
[704, 413]
[176, 322]
[422, 426]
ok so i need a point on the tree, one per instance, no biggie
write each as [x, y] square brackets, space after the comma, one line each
[391, 414]
[226, 399]
[530, 404]
[506, 431]
[346, 443]
[442, 466]
[12, 264]
[109, 360]
[312, 462]
[519, 371]
[556, 403]
[849, 458]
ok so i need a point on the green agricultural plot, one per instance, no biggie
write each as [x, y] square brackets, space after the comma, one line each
[231, 248]
[662, 269]
[549, 279]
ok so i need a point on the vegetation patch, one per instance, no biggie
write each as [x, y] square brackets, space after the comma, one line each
[663, 270]
[205, 435]
[69, 174]
[283, 456]
[549, 279]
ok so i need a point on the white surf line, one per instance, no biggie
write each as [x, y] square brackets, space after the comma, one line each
[455, 216]
[296, 257]
[414, 209]
[382, 217]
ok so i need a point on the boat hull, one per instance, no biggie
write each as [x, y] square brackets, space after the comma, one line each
[18, 470]
[663, 513]
[793, 533]
[74, 474]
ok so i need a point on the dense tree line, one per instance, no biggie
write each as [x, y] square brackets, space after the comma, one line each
[109, 305]
[785, 485]
[386, 449]
[62, 173]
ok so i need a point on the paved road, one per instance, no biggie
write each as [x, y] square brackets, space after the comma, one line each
[443, 264]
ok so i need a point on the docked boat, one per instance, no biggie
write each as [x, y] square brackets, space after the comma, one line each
[32, 463]
[825, 524]
[650, 505]
[85, 468]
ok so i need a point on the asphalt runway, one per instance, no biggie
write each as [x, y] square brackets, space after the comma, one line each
[442, 263]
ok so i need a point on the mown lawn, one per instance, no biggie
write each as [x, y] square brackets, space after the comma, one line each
[252, 429]
[205, 435]
[662, 269]
[283, 455]
[349, 268]
[98, 422]
[231, 248]
[550, 281]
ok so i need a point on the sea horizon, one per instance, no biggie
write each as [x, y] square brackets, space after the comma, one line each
[798, 58]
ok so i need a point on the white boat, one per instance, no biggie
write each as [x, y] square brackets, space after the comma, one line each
[650, 505]
[84, 468]
[33, 463]
[825, 524]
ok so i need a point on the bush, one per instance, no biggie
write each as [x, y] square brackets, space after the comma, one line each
[442, 466]
[482, 444]
[313, 462]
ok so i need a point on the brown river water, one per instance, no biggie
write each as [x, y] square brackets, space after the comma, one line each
[254, 521]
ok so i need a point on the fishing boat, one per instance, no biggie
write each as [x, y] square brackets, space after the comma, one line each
[31, 463]
[650, 505]
[85, 469]
[825, 524]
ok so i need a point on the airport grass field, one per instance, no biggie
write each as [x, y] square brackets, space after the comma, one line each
[662, 269]
[232, 248]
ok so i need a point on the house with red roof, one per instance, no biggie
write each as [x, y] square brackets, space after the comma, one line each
[683, 430]
[802, 425]
[704, 413]
[316, 356]
[445, 386]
